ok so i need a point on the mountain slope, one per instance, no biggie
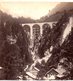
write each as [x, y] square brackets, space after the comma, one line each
[58, 11]
[62, 6]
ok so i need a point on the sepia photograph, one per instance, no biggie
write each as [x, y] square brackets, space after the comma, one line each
[36, 40]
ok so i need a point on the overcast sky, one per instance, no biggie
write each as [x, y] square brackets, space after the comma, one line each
[31, 9]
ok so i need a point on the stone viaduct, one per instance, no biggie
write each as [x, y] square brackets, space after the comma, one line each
[30, 25]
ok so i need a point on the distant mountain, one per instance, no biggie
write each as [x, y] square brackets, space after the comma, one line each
[62, 6]
[58, 11]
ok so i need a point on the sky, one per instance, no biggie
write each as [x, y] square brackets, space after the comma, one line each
[31, 9]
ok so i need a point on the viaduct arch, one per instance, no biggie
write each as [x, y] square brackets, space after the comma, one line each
[31, 25]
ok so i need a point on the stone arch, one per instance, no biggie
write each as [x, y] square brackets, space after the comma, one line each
[26, 28]
[45, 27]
[36, 29]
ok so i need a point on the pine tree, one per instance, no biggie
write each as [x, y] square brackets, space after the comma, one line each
[14, 50]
